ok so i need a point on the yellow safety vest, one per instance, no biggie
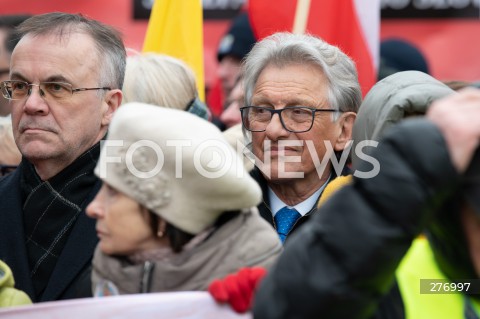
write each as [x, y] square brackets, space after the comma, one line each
[417, 264]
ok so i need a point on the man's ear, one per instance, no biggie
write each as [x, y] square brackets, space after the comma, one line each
[345, 125]
[111, 102]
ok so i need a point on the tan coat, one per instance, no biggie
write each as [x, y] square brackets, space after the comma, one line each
[244, 241]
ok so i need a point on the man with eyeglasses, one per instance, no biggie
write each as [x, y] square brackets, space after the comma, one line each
[301, 97]
[64, 85]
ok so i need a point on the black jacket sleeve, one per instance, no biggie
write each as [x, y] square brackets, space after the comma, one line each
[341, 263]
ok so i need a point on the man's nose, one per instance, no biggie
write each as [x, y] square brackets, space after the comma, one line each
[275, 128]
[35, 103]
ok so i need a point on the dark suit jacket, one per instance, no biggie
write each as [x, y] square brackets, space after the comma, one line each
[71, 276]
[264, 206]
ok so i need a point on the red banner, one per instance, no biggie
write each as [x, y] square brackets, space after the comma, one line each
[337, 22]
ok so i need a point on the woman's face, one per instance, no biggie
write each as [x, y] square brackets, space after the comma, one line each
[123, 225]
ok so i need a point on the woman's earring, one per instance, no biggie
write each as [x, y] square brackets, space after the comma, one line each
[162, 225]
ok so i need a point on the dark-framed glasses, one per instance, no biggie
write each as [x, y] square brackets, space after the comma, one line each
[295, 119]
[6, 169]
[19, 90]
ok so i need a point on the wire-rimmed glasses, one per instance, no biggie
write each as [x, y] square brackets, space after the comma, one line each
[295, 119]
[19, 90]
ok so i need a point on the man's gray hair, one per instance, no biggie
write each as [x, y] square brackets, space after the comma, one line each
[282, 49]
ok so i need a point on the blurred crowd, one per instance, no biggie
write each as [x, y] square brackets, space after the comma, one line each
[286, 193]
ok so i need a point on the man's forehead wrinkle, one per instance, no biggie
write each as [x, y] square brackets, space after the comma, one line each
[63, 36]
[288, 92]
[282, 88]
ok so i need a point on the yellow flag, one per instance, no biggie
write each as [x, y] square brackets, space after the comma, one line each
[175, 28]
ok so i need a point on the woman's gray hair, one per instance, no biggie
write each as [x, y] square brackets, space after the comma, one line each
[283, 48]
[159, 80]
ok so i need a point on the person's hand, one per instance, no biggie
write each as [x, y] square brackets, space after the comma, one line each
[237, 289]
[458, 118]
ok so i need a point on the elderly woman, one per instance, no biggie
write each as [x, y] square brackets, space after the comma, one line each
[164, 81]
[177, 208]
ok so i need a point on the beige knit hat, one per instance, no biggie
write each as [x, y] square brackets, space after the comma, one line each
[175, 164]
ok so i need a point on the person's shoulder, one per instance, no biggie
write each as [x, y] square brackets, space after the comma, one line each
[249, 227]
[8, 181]
[333, 186]
[257, 227]
[9, 191]
[257, 175]
[257, 242]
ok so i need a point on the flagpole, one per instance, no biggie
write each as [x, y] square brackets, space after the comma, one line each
[301, 16]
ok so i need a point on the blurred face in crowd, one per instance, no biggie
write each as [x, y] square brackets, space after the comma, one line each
[228, 71]
[296, 85]
[123, 225]
[231, 115]
[4, 71]
[52, 132]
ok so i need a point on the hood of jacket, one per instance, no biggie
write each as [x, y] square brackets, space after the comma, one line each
[401, 95]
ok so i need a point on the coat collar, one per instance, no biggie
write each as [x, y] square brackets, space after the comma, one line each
[77, 252]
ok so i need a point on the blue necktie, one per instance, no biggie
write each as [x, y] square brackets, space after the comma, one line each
[284, 220]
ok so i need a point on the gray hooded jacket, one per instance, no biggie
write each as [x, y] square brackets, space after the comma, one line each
[401, 95]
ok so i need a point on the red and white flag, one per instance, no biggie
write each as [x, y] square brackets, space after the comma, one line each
[352, 25]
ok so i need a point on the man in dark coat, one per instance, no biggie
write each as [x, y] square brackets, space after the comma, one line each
[65, 79]
[301, 97]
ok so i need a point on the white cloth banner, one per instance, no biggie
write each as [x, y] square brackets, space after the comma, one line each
[191, 305]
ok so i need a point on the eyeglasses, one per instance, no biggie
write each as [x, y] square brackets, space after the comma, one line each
[18, 90]
[5, 169]
[295, 119]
